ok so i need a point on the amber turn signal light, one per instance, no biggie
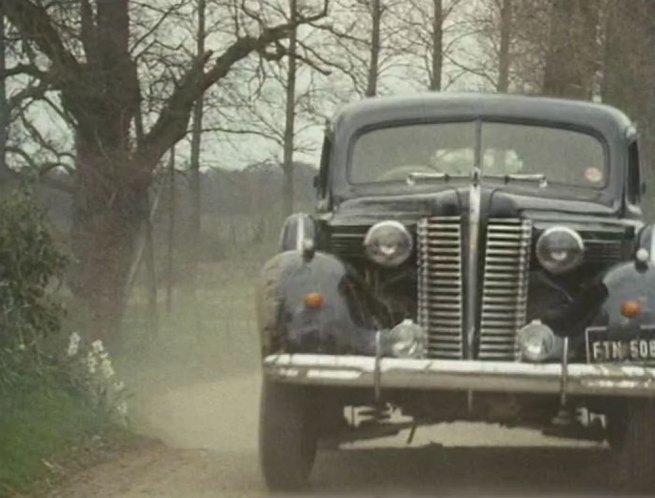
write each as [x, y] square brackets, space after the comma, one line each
[630, 309]
[314, 300]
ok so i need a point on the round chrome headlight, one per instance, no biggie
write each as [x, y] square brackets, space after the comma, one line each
[560, 249]
[388, 243]
[406, 340]
[538, 343]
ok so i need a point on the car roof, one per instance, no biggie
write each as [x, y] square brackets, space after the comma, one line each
[439, 105]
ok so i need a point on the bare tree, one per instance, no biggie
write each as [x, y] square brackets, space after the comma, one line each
[195, 222]
[376, 9]
[290, 115]
[4, 104]
[362, 49]
[629, 69]
[431, 33]
[504, 56]
[92, 63]
[573, 49]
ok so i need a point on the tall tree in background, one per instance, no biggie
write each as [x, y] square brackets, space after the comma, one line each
[436, 67]
[4, 104]
[502, 85]
[572, 58]
[629, 70]
[362, 45]
[629, 58]
[93, 67]
[377, 10]
[195, 224]
[503, 41]
[290, 114]
[425, 26]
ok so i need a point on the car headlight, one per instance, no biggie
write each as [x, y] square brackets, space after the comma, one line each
[560, 249]
[538, 343]
[405, 340]
[388, 243]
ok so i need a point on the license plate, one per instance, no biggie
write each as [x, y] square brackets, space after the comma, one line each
[603, 347]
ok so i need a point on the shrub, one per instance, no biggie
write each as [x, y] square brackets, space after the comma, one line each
[29, 265]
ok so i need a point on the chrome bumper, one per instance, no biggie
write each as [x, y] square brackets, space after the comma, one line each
[392, 373]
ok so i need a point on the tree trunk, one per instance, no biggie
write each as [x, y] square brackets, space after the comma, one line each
[5, 173]
[629, 67]
[628, 59]
[151, 275]
[374, 62]
[170, 253]
[195, 224]
[110, 187]
[290, 118]
[107, 217]
[502, 85]
[98, 83]
[437, 46]
[573, 49]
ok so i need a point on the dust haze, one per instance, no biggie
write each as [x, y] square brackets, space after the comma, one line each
[196, 390]
[195, 380]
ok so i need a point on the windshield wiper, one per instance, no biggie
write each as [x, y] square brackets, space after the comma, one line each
[412, 178]
[445, 177]
[522, 177]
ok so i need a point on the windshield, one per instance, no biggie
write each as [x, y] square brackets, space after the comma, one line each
[563, 156]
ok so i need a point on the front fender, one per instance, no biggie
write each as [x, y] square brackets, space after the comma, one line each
[631, 281]
[297, 228]
[345, 323]
[599, 305]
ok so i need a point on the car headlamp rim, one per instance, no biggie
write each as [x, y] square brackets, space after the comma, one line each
[558, 260]
[406, 340]
[388, 243]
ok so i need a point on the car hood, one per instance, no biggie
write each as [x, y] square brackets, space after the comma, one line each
[495, 203]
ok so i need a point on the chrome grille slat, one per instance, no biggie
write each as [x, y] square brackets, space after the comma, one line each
[505, 287]
[440, 288]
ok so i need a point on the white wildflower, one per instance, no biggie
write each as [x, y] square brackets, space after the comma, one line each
[91, 362]
[119, 385]
[21, 347]
[106, 368]
[121, 408]
[73, 344]
[97, 346]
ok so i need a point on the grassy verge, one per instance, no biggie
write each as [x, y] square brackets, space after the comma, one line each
[47, 430]
[41, 421]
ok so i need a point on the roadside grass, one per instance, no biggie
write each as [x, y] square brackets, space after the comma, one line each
[40, 420]
[209, 334]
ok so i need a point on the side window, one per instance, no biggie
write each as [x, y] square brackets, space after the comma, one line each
[322, 178]
[634, 177]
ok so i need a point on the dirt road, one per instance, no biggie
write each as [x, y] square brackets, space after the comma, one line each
[210, 435]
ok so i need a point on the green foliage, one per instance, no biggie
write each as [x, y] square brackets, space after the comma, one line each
[29, 264]
[41, 419]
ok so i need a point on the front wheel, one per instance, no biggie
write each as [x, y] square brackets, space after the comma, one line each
[632, 437]
[287, 436]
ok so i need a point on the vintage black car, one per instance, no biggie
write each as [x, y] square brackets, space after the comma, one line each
[471, 257]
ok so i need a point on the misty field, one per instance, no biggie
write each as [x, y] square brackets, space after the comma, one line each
[206, 334]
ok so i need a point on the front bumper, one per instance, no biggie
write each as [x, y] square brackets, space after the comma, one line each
[461, 375]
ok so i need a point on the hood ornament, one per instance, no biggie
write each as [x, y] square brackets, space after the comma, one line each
[476, 176]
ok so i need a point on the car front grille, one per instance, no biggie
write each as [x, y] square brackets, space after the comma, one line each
[440, 285]
[505, 287]
[503, 276]
[504, 290]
